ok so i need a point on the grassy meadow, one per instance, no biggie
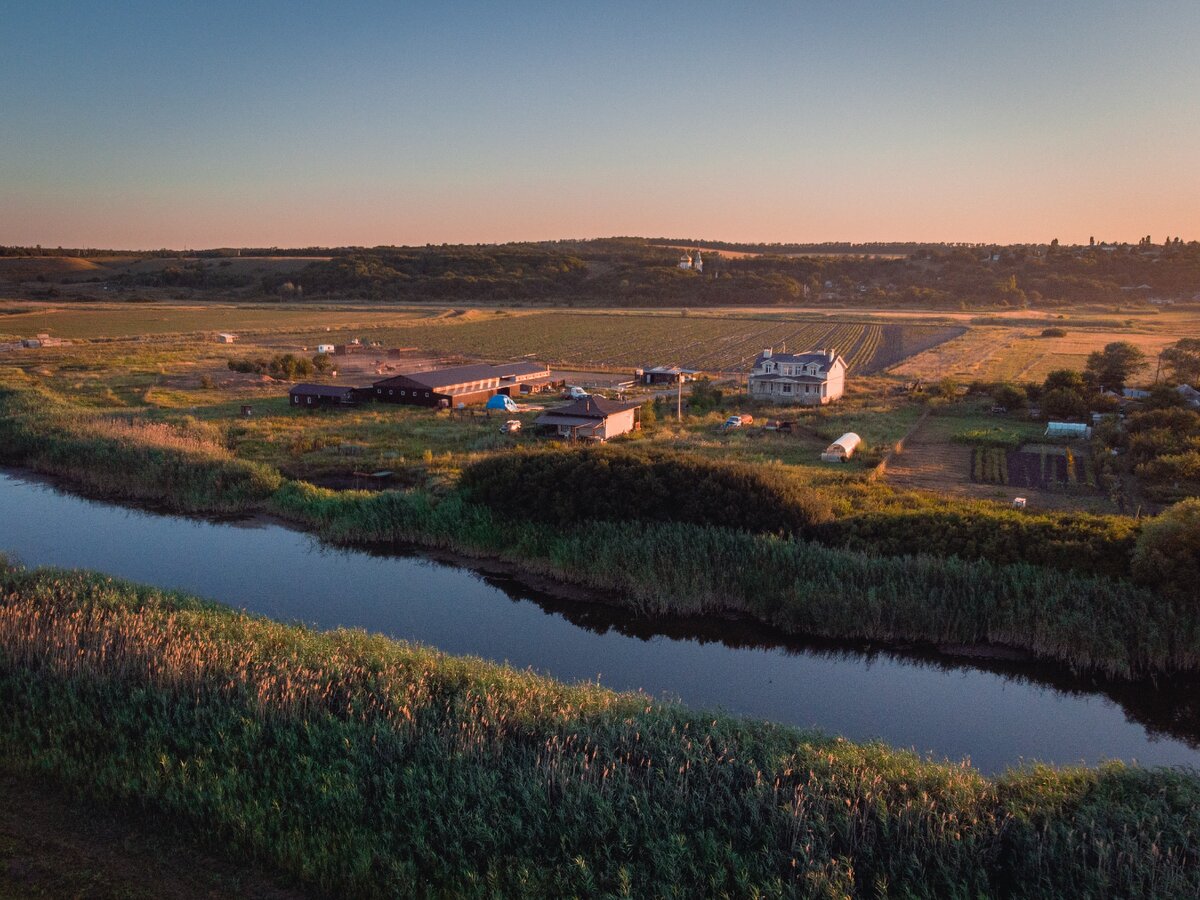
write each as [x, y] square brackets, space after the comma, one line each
[362, 766]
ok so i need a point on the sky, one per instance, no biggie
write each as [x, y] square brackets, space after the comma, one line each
[144, 125]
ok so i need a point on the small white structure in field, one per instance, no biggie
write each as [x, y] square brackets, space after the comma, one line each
[1018, 503]
[1070, 431]
[325, 348]
[841, 449]
[226, 338]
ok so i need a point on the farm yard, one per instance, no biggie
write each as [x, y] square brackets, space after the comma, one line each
[962, 451]
[160, 362]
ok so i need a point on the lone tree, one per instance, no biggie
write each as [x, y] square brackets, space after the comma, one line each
[1183, 359]
[1167, 555]
[1113, 366]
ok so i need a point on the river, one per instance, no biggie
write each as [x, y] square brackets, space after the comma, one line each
[996, 714]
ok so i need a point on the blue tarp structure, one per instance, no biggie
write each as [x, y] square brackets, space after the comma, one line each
[500, 401]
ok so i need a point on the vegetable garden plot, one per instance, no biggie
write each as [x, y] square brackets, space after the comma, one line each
[1033, 466]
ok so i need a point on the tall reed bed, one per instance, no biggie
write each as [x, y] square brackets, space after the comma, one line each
[373, 768]
[800, 587]
[185, 468]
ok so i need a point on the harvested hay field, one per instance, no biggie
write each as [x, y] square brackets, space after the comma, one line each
[48, 268]
[1019, 352]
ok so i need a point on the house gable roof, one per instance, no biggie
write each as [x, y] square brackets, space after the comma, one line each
[803, 359]
[589, 408]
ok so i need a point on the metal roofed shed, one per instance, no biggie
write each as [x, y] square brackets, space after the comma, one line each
[1071, 431]
[842, 449]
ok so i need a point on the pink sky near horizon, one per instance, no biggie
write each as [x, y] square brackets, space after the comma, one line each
[143, 125]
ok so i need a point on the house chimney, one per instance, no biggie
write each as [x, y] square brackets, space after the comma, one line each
[832, 354]
[766, 352]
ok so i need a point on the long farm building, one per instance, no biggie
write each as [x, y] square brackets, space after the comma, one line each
[463, 385]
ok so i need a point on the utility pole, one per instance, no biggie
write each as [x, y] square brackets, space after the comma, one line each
[679, 399]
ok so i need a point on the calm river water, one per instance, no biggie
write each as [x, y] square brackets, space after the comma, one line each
[996, 714]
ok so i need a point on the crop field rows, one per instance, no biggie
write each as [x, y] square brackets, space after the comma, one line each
[627, 341]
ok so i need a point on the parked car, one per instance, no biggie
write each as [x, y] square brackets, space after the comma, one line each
[732, 422]
[512, 426]
[574, 392]
[780, 425]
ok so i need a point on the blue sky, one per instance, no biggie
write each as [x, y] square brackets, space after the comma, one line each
[189, 125]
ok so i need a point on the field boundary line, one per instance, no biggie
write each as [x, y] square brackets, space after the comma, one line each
[881, 468]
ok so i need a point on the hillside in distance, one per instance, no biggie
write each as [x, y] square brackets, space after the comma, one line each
[641, 272]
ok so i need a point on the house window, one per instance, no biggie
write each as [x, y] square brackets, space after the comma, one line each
[427, 393]
[390, 392]
[401, 393]
[787, 388]
[310, 401]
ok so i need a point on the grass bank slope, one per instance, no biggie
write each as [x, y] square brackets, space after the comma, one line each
[368, 767]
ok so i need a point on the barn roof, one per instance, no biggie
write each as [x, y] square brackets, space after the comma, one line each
[440, 379]
[321, 390]
[595, 408]
[586, 414]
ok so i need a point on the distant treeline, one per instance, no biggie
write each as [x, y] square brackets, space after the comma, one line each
[635, 272]
[645, 273]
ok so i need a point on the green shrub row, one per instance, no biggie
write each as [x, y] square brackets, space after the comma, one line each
[568, 486]
[1100, 545]
[370, 768]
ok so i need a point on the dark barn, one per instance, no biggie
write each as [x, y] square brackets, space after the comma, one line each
[463, 385]
[312, 396]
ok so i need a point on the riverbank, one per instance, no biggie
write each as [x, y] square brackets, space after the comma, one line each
[365, 766]
[800, 587]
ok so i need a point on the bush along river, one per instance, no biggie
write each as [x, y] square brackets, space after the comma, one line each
[996, 712]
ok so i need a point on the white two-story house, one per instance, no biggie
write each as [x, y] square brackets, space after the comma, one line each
[812, 378]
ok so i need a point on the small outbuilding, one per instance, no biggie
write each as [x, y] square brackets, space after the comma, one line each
[312, 396]
[226, 337]
[1190, 395]
[665, 375]
[592, 419]
[842, 449]
[325, 348]
[1069, 431]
